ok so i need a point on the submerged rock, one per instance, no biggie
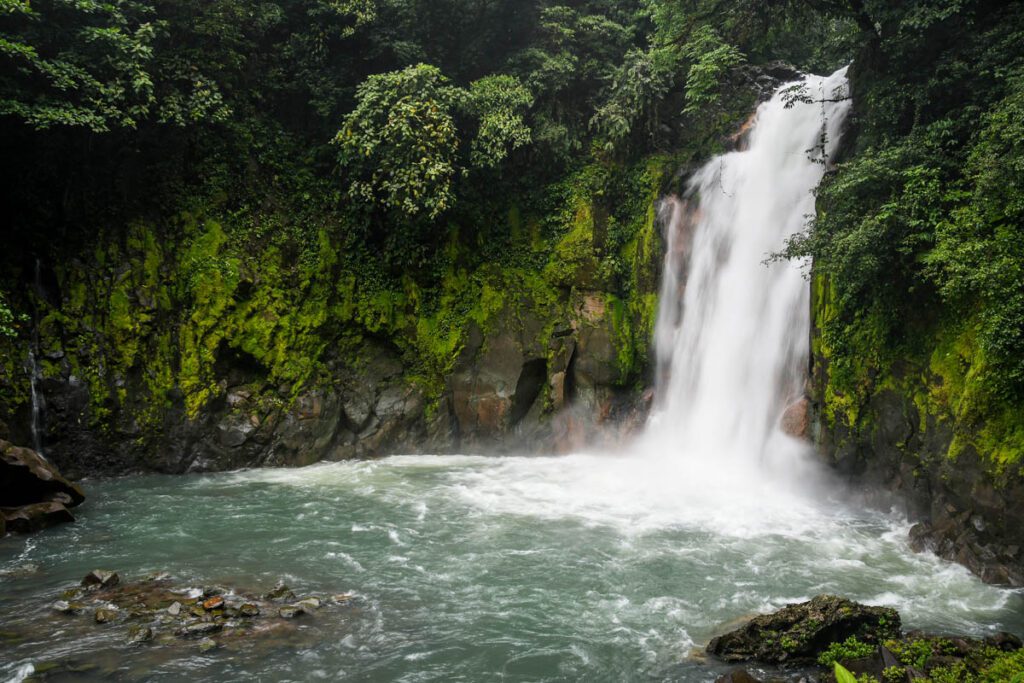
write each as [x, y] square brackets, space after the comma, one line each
[21, 570]
[309, 603]
[280, 592]
[290, 611]
[66, 607]
[138, 635]
[249, 610]
[799, 632]
[104, 615]
[208, 644]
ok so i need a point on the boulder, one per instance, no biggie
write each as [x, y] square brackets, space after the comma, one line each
[796, 419]
[104, 615]
[26, 478]
[102, 578]
[291, 611]
[35, 517]
[280, 592]
[139, 634]
[799, 632]
[200, 629]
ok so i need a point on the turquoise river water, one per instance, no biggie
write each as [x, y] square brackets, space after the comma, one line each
[473, 568]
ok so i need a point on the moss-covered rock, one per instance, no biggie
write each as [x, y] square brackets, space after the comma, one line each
[800, 632]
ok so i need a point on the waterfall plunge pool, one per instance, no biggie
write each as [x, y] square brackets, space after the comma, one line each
[581, 567]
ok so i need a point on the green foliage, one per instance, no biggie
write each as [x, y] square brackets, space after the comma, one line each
[8, 319]
[498, 102]
[849, 649]
[1006, 668]
[399, 144]
[917, 233]
[915, 652]
[92, 71]
[894, 674]
[978, 259]
[842, 674]
[711, 60]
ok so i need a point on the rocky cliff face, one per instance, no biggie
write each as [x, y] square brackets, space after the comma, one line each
[510, 391]
[906, 434]
[178, 353]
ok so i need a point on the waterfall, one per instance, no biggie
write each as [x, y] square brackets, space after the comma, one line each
[37, 404]
[731, 334]
[35, 372]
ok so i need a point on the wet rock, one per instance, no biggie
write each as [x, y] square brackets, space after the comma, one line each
[280, 592]
[65, 607]
[104, 615]
[138, 635]
[28, 519]
[796, 419]
[215, 602]
[102, 578]
[174, 609]
[799, 632]
[207, 644]
[249, 610]
[737, 676]
[200, 629]
[343, 598]
[309, 604]
[1004, 641]
[290, 611]
[26, 478]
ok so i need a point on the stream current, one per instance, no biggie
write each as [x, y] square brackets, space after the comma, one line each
[472, 569]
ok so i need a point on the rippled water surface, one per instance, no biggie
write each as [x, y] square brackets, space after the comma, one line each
[582, 567]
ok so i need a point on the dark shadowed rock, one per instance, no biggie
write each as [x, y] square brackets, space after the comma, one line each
[31, 518]
[103, 578]
[799, 632]
[26, 478]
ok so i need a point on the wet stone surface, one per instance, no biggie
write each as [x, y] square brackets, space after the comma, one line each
[159, 620]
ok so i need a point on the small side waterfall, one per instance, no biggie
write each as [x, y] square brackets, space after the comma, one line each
[37, 404]
[732, 329]
[35, 372]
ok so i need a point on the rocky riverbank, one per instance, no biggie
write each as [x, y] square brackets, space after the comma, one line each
[171, 621]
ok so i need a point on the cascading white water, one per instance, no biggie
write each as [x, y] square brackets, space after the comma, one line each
[37, 404]
[732, 329]
[35, 372]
